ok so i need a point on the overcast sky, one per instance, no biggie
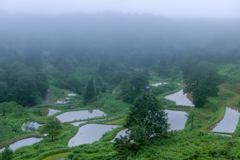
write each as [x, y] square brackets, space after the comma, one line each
[169, 8]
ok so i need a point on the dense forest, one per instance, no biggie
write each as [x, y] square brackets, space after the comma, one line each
[108, 59]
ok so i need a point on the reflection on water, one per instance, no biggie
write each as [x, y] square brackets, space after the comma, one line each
[90, 133]
[229, 122]
[52, 111]
[79, 115]
[90, 111]
[23, 142]
[176, 119]
[30, 126]
[180, 98]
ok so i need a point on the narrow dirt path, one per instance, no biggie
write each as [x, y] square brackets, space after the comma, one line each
[46, 98]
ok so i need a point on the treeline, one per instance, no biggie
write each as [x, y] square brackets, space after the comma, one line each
[69, 50]
[21, 77]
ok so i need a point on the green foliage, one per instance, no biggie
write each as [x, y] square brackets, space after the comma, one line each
[125, 148]
[118, 77]
[146, 118]
[102, 70]
[74, 84]
[110, 135]
[229, 73]
[52, 127]
[35, 111]
[18, 110]
[7, 107]
[107, 103]
[146, 72]
[202, 82]
[164, 88]
[193, 119]
[138, 81]
[96, 150]
[191, 145]
[7, 154]
[90, 90]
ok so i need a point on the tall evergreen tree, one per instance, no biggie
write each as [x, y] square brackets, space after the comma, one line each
[146, 118]
[90, 91]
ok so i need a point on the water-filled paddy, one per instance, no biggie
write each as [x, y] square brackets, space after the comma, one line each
[229, 122]
[180, 98]
[90, 133]
[23, 142]
[80, 115]
[176, 119]
[30, 126]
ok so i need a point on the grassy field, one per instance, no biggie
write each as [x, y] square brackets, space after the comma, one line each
[232, 88]
[58, 156]
[191, 145]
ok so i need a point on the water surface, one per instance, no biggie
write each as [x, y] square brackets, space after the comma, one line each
[176, 119]
[30, 126]
[23, 142]
[180, 98]
[80, 115]
[229, 122]
[90, 133]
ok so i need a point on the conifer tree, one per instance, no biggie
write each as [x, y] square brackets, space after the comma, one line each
[90, 91]
[146, 118]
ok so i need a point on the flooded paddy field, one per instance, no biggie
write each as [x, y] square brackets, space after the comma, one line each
[90, 133]
[180, 98]
[80, 115]
[23, 142]
[229, 122]
[176, 119]
[30, 126]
